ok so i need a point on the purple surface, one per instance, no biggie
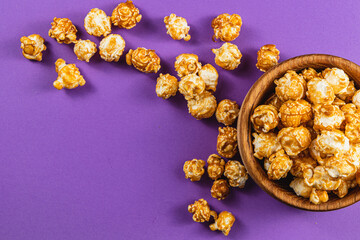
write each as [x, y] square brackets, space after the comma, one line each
[104, 161]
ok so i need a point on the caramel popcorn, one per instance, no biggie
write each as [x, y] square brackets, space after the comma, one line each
[356, 98]
[280, 165]
[220, 189]
[166, 86]
[227, 142]
[349, 110]
[337, 78]
[342, 166]
[274, 101]
[227, 112]
[191, 85]
[144, 60]
[291, 86]
[223, 223]
[97, 23]
[265, 144]
[216, 166]
[318, 196]
[227, 56]
[32, 47]
[320, 91]
[328, 117]
[126, 15]
[322, 180]
[300, 187]
[210, 76]
[349, 92]
[68, 75]
[63, 30]
[201, 211]
[226, 27]
[338, 102]
[84, 49]
[186, 64]
[294, 140]
[194, 169]
[352, 128]
[344, 187]
[202, 106]
[309, 74]
[267, 57]
[236, 173]
[303, 167]
[264, 118]
[177, 27]
[112, 48]
[294, 113]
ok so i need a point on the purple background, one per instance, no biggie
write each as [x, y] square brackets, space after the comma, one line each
[104, 161]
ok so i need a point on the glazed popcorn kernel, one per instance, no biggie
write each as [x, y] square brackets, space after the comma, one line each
[226, 27]
[202, 106]
[126, 15]
[228, 56]
[112, 47]
[267, 57]
[320, 91]
[341, 166]
[227, 142]
[352, 129]
[201, 211]
[310, 73]
[265, 144]
[236, 173]
[227, 112]
[194, 169]
[356, 98]
[322, 180]
[264, 118]
[144, 60]
[210, 76]
[274, 101]
[344, 187]
[177, 27]
[300, 187]
[348, 94]
[84, 49]
[216, 166]
[349, 109]
[186, 64]
[327, 117]
[294, 113]
[223, 223]
[220, 189]
[280, 165]
[291, 86]
[166, 86]
[294, 140]
[303, 167]
[318, 196]
[337, 78]
[97, 23]
[32, 47]
[68, 75]
[191, 85]
[63, 30]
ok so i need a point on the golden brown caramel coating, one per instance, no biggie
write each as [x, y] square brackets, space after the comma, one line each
[294, 113]
[280, 165]
[220, 189]
[265, 144]
[177, 27]
[226, 27]
[186, 64]
[191, 86]
[166, 86]
[320, 91]
[348, 110]
[32, 47]
[352, 129]
[338, 102]
[223, 223]
[267, 57]
[274, 101]
[194, 169]
[227, 142]
[68, 75]
[349, 92]
[63, 30]
[303, 167]
[201, 211]
[310, 73]
[210, 76]
[126, 15]
[356, 98]
[265, 118]
[318, 196]
[337, 78]
[228, 56]
[216, 166]
[294, 140]
[344, 187]
[227, 112]
[291, 86]
[112, 47]
[327, 117]
[300, 187]
[84, 49]
[144, 60]
[236, 173]
[322, 180]
[202, 106]
[97, 23]
[341, 166]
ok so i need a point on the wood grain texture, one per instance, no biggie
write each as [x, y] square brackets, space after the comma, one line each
[263, 88]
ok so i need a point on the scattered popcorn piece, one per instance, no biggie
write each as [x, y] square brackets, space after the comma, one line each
[227, 56]
[294, 113]
[227, 142]
[348, 94]
[310, 73]
[322, 180]
[191, 85]
[265, 144]
[220, 189]
[356, 98]
[227, 112]
[280, 165]
[300, 188]
[84, 49]
[303, 167]
[202, 106]
[201, 211]
[267, 57]
[341, 166]
[144, 60]
[210, 76]
[226, 27]
[186, 64]
[236, 173]
[320, 91]
[166, 86]
[63, 30]
[194, 169]
[274, 101]
[32, 47]
[126, 15]
[294, 140]
[68, 75]
[327, 117]
[337, 78]
[112, 47]
[223, 223]
[216, 166]
[177, 27]
[291, 86]
[97, 23]
[264, 118]
[318, 196]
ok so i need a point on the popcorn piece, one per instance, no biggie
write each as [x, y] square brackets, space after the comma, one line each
[202, 106]
[322, 180]
[227, 142]
[356, 98]
[220, 189]
[32, 47]
[267, 57]
[338, 102]
[352, 128]
[166, 86]
[223, 223]
[84, 49]
[112, 47]
[227, 112]
[216, 166]
[280, 165]
[63, 30]
[191, 86]
[68, 75]
[186, 64]
[227, 56]
[144, 60]
[309, 74]
[226, 27]
[291, 86]
[201, 211]
[343, 189]
[236, 173]
[210, 76]
[337, 78]
[294, 140]
[264, 118]
[348, 94]
[177, 27]
[97, 23]
[349, 111]
[342, 166]
[300, 188]
[126, 15]
[328, 117]
[274, 101]
[303, 167]
[194, 169]
[294, 113]
[320, 91]
[318, 196]
[265, 144]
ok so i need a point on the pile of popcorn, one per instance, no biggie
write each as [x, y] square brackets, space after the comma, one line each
[310, 127]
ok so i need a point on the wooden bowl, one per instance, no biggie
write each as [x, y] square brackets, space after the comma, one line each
[260, 91]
